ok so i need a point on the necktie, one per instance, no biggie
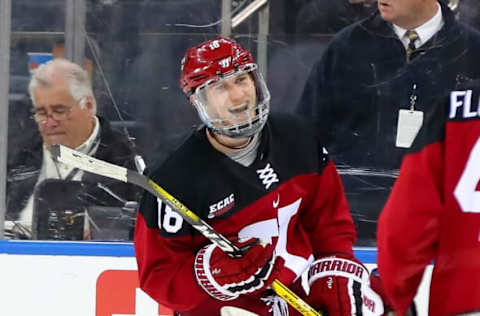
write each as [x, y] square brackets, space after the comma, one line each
[412, 38]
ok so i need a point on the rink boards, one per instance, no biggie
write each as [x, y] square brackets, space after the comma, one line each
[97, 279]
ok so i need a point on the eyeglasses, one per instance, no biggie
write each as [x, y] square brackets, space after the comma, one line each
[58, 113]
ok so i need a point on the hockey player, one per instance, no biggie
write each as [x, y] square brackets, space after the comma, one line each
[262, 181]
[433, 213]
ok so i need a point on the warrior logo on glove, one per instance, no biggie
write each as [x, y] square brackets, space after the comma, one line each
[341, 287]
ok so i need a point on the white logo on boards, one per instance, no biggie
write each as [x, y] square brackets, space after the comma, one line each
[268, 176]
[144, 305]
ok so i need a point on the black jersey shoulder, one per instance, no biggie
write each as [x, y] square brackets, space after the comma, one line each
[180, 174]
[295, 137]
[182, 168]
[286, 138]
[204, 179]
[462, 104]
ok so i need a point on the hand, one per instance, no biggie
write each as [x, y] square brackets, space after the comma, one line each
[377, 285]
[340, 286]
[225, 278]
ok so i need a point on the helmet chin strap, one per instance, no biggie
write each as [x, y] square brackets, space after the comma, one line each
[217, 139]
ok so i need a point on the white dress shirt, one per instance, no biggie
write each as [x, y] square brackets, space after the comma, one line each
[424, 31]
[57, 170]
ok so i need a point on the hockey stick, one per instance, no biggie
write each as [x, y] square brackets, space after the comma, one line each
[81, 161]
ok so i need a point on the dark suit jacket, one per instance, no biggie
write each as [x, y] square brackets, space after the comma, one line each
[354, 94]
[24, 169]
[355, 91]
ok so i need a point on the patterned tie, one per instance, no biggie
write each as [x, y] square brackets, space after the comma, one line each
[412, 37]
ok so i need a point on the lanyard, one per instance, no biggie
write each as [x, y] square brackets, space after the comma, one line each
[413, 97]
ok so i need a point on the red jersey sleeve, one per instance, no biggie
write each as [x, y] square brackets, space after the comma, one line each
[432, 212]
[408, 226]
[166, 268]
[328, 221]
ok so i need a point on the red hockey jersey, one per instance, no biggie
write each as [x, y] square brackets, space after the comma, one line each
[433, 213]
[291, 193]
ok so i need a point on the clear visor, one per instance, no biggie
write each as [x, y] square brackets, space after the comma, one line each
[234, 105]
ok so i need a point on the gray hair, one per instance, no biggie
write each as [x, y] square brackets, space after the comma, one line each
[79, 82]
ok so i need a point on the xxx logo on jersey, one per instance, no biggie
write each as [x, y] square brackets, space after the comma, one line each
[268, 176]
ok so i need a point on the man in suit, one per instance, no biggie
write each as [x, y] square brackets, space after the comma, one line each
[374, 84]
[64, 109]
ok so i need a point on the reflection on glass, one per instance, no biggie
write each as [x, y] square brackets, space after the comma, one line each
[132, 51]
[49, 200]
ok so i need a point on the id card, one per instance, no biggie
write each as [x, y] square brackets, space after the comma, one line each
[409, 123]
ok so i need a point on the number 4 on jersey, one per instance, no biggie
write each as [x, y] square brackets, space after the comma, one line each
[466, 190]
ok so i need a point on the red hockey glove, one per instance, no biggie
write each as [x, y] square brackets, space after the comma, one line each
[341, 287]
[225, 278]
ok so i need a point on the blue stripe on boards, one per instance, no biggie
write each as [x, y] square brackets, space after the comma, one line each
[109, 249]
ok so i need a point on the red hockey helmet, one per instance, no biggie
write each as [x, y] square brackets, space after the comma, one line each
[220, 56]
[208, 72]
